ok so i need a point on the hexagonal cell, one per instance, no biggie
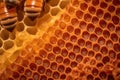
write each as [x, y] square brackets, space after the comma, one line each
[71, 10]
[73, 38]
[98, 56]
[96, 47]
[58, 33]
[111, 26]
[68, 70]
[115, 19]
[109, 44]
[86, 60]
[4, 34]
[101, 41]
[91, 53]
[79, 58]
[48, 47]
[85, 35]
[56, 50]
[28, 72]
[99, 65]
[92, 9]
[102, 23]
[82, 25]
[95, 71]
[70, 29]
[98, 31]
[64, 52]
[95, 3]
[36, 76]
[74, 21]
[107, 16]
[105, 59]
[95, 20]
[48, 72]
[43, 77]
[63, 4]
[84, 51]
[33, 66]
[51, 56]
[54, 11]
[61, 68]
[72, 55]
[59, 59]
[69, 46]
[8, 44]
[81, 42]
[90, 77]
[62, 25]
[38, 60]
[93, 37]
[76, 49]
[22, 77]
[63, 76]
[103, 5]
[42, 53]
[53, 66]
[15, 75]
[114, 37]
[89, 44]
[79, 14]
[66, 36]
[99, 13]
[104, 50]
[117, 30]
[116, 47]
[111, 8]
[32, 31]
[110, 77]
[112, 54]
[56, 75]
[77, 31]
[87, 17]
[20, 27]
[46, 63]
[61, 43]
[66, 17]
[106, 33]
[83, 6]
[54, 3]
[103, 75]
[66, 61]
[90, 27]
[41, 69]
[118, 11]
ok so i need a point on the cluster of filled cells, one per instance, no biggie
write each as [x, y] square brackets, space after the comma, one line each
[85, 45]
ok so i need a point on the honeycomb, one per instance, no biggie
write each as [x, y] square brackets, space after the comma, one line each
[70, 40]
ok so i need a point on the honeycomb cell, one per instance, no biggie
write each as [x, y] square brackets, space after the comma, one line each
[102, 75]
[96, 47]
[99, 65]
[82, 25]
[107, 16]
[115, 19]
[66, 61]
[72, 55]
[62, 25]
[56, 75]
[50, 79]
[116, 2]
[36, 76]
[79, 58]
[70, 29]
[105, 59]
[103, 5]
[56, 50]
[48, 72]
[90, 27]
[99, 13]
[51, 56]
[64, 52]
[4, 34]
[33, 66]
[92, 9]
[90, 77]
[20, 69]
[66, 17]
[84, 51]
[106, 33]
[87, 17]
[63, 76]
[73, 38]
[68, 70]
[93, 37]
[111, 8]
[41, 69]
[71, 10]
[58, 33]
[46, 63]
[104, 50]
[61, 43]
[59, 59]
[83, 6]
[38, 60]
[98, 31]
[43, 53]
[92, 62]
[48, 48]
[118, 11]
[15, 75]
[98, 56]
[29, 22]
[53, 40]
[114, 37]
[23, 77]
[87, 1]
[61, 68]
[102, 23]
[81, 42]
[88, 44]
[117, 30]
[110, 77]
[77, 31]
[79, 14]
[97, 78]
[62, 4]
[54, 3]
[76, 49]
[43, 77]
[112, 54]
[109, 44]
[55, 11]
[85, 35]
[95, 3]
[1, 43]
[66, 36]
[20, 27]
[116, 47]
[69, 46]
[28, 72]
[53, 66]
[95, 20]
[91, 53]
[95, 71]
[74, 21]
[32, 31]
[8, 44]
[111, 27]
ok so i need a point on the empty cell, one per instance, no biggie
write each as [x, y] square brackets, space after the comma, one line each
[53, 40]
[53, 3]
[107, 16]
[8, 44]
[99, 65]
[104, 50]
[33, 66]
[83, 6]
[59, 59]
[22, 77]
[84, 51]
[111, 27]
[86, 60]
[70, 29]
[116, 2]
[92, 62]
[42, 53]
[71, 10]
[51, 56]
[48, 72]
[89, 44]
[61, 68]
[81, 42]
[90, 77]
[98, 31]
[82, 25]
[79, 14]
[85, 35]
[95, 20]
[50, 79]
[68, 70]
[106, 33]
[46, 63]
[20, 27]
[74, 22]
[103, 5]
[96, 47]
[61, 43]
[92, 9]
[48, 47]
[66, 61]
[79, 58]
[29, 22]
[1, 43]
[28, 72]
[73, 38]
[62, 25]
[54, 11]
[76, 49]
[36, 76]
[99, 13]
[90, 27]
[110, 77]
[32, 31]
[93, 37]
[75, 73]
[116, 47]
[20, 69]
[72, 55]
[43, 77]
[69, 46]
[66, 36]
[56, 75]
[115, 19]
[103, 23]
[25, 63]
[95, 71]
[53, 66]
[97, 78]
[87, 1]
[4, 34]
[64, 52]
[95, 2]
[58, 33]
[91, 53]
[87, 17]
[56, 50]
[109, 44]
[105, 59]
[112, 54]
[114, 37]
[77, 31]
[102, 75]
[118, 11]
[111, 8]
[117, 30]
[41, 69]
[63, 4]
[66, 17]
[15, 75]
[98, 56]
[63, 76]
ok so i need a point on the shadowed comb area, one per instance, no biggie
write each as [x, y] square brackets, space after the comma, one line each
[77, 40]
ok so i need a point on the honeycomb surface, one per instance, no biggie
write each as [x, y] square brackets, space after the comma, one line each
[71, 40]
